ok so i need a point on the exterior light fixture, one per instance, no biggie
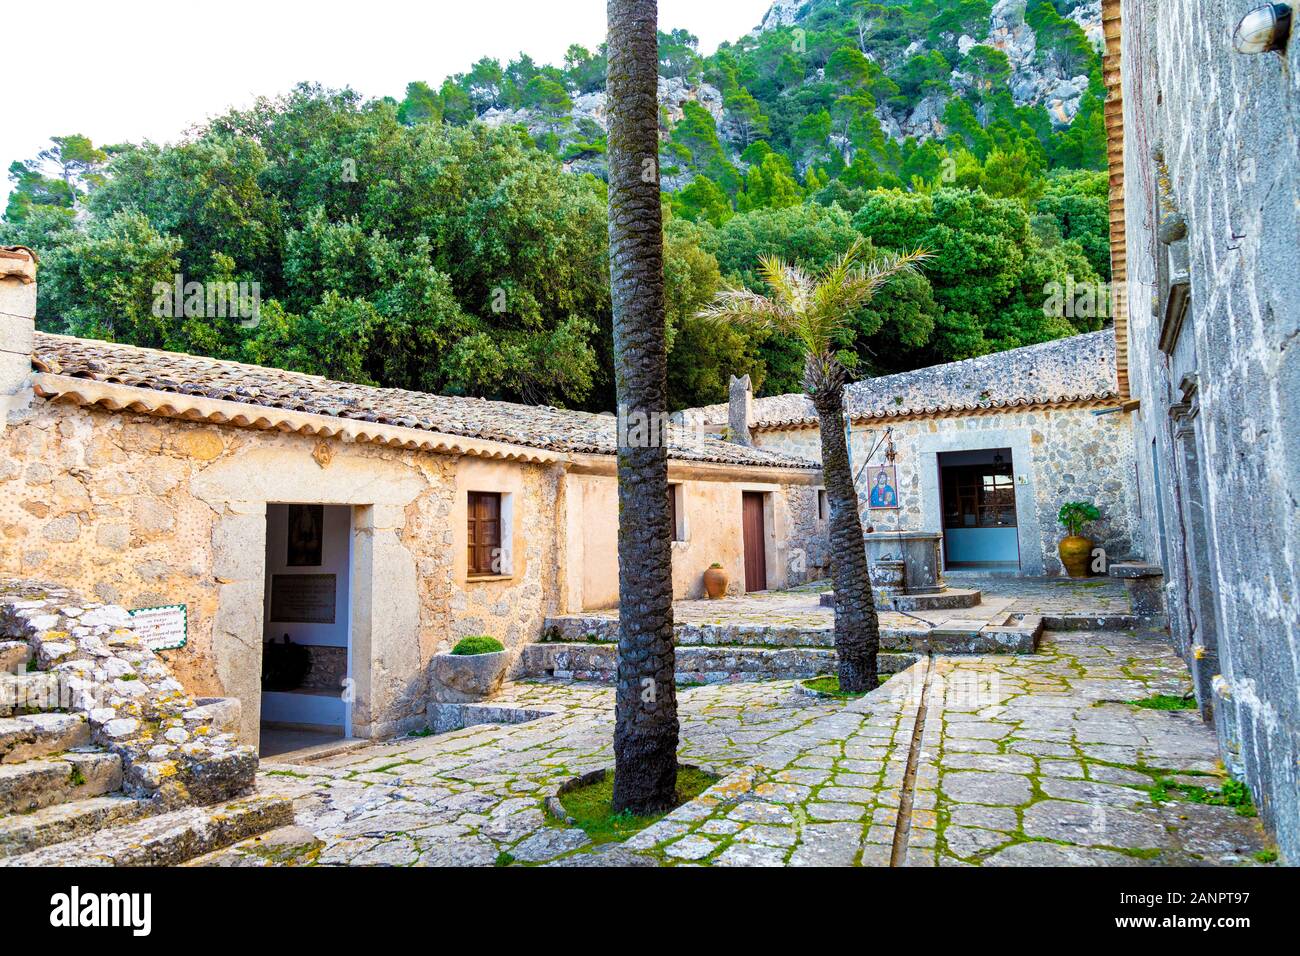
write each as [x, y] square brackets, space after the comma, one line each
[1263, 29]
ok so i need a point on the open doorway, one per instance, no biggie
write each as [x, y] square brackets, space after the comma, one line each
[306, 637]
[978, 491]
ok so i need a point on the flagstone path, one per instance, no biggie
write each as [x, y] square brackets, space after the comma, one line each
[995, 761]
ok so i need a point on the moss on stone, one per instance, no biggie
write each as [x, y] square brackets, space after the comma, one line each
[1165, 702]
[478, 644]
[591, 805]
[829, 686]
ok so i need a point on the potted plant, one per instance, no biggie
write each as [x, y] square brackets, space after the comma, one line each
[1075, 549]
[715, 581]
[473, 671]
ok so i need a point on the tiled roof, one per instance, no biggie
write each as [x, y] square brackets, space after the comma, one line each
[1080, 368]
[529, 426]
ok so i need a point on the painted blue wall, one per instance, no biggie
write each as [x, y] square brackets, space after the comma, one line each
[973, 545]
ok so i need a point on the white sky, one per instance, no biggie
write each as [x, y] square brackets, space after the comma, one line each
[125, 72]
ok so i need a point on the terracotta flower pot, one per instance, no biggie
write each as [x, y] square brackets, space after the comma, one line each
[715, 583]
[1076, 555]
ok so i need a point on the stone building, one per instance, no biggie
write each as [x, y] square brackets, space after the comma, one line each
[985, 450]
[373, 526]
[1205, 192]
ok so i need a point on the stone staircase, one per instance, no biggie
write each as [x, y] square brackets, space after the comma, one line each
[582, 647]
[62, 800]
[111, 771]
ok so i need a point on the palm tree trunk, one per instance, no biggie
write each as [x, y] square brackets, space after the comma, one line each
[857, 628]
[645, 729]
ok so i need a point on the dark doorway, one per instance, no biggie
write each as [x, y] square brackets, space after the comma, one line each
[979, 509]
[306, 638]
[755, 542]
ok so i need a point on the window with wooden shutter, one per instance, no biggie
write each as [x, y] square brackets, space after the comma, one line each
[484, 533]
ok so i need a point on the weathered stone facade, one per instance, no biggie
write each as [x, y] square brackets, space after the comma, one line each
[1058, 455]
[146, 511]
[144, 478]
[1211, 189]
[1055, 406]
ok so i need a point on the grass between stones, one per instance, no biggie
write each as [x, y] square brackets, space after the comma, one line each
[591, 805]
[1232, 793]
[830, 686]
[1165, 702]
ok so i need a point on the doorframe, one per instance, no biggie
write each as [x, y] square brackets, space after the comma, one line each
[1028, 527]
[384, 587]
[349, 690]
[943, 532]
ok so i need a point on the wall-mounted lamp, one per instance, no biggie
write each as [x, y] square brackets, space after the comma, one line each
[1263, 29]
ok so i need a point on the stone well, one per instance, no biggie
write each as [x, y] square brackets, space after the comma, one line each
[919, 552]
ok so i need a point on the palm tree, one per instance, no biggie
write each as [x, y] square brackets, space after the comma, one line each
[815, 312]
[645, 728]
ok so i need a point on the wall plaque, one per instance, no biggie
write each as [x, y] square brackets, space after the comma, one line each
[162, 628]
[303, 598]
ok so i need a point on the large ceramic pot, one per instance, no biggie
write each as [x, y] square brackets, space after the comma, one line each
[715, 583]
[1076, 555]
[466, 678]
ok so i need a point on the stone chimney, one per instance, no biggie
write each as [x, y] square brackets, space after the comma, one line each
[17, 326]
[740, 410]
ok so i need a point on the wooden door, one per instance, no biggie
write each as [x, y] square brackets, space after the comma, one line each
[755, 542]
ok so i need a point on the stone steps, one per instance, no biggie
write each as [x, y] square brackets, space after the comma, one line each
[695, 665]
[41, 735]
[594, 631]
[25, 832]
[47, 781]
[168, 839]
[945, 600]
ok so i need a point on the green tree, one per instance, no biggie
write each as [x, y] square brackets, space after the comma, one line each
[645, 721]
[585, 70]
[550, 99]
[421, 105]
[58, 175]
[746, 116]
[769, 184]
[815, 310]
[679, 56]
[702, 200]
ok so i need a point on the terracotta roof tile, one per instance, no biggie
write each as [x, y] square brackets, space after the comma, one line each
[530, 426]
[1079, 368]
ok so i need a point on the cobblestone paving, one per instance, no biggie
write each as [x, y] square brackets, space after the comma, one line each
[1024, 760]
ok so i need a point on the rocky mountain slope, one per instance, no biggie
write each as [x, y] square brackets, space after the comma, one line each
[1037, 76]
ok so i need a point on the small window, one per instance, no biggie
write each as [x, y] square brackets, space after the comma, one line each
[823, 506]
[676, 512]
[484, 533]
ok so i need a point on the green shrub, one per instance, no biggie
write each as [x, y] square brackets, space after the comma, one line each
[1075, 514]
[478, 644]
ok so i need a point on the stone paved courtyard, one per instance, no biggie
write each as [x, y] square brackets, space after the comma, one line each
[801, 606]
[998, 760]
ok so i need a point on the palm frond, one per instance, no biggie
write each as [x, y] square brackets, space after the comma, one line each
[790, 284]
[743, 307]
[844, 290]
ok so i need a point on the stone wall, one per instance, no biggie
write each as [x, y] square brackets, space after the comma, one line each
[1211, 174]
[1058, 455]
[84, 657]
[144, 511]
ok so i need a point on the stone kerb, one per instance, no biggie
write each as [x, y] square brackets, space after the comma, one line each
[88, 659]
